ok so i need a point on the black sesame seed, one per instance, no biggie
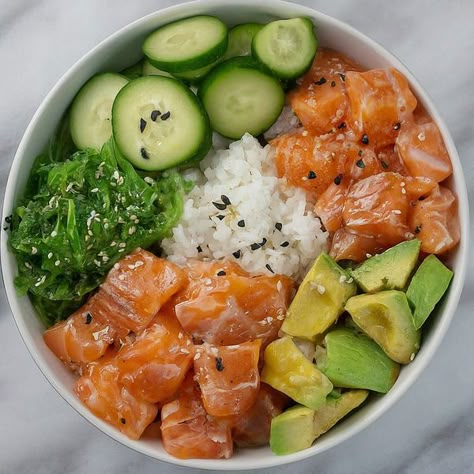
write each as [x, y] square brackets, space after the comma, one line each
[421, 198]
[321, 81]
[6, 228]
[199, 249]
[338, 179]
[263, 242]
[278, 226]
[397, 126]
[365, 139]
[142, 125]
[219, 205]
[123, 421]
[341, 125]
[359, 153]
[333, 83]
[311, 175]
[166, 115]
[221, 273]
[418, 229]
[219, 364]
[343, 77]
[88, 318]
[220, 216]
[9, 219]
[384, 164]
[255, 246]
[237, 254]
[269, 268]
[285, 244]
[144, 153]
[154, 115]
[241, 223]
[360, 164]
[225, 200]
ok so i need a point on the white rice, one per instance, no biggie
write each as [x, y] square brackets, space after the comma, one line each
[246, 174]
[286, 122]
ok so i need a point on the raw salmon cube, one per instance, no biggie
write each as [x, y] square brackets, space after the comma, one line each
[228, 377]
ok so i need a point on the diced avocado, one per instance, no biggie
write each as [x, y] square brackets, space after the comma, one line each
[387, 319]
[287, 369]
[427, 287]
[353, 360]
[320, 299]
[390, 270]
[297, 428]
[335, 409]
[292, 430]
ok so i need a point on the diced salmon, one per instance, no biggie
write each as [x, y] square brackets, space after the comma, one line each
[228, 377]
[435, 221]
[381, 102]
[80, 339]
[423, 152]
[347, 244]
[252, 428]
[189, 432]
[135, 289]
[100, 390]
[419, 187]
[377, 206]
[153, 366]
[355, 161]
[330, 204]
[390, 161]
[223, 305]
[319, 100]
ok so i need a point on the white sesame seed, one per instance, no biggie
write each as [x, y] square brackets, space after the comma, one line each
[412, 356]
[342, 278]
[121, 277]
[121, 250]
[279, 285]
[133, 217]
[97, 263]
[132, 230]
[57, 263]
[403, 184]
[404, 191]
[421, 137]
[34, 250]
[40, 280]
[148, 180]
[50, 254]
[197, 356]
[54, 233]
[113, 243]
[27, 265]
[397, 211]
[122, 245]
[368, 255]
[305, 133]
[94, 190]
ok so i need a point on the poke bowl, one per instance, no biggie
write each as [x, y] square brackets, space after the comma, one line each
[264, 244]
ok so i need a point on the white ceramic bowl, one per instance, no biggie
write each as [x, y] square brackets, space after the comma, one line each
[124, 48]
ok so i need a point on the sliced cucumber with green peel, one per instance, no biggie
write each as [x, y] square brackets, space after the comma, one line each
[240, 39]
[158, 123]
[90, 119]
[134, 71]
[187, 44]
[286, 47]
[195, 74]
[239, 96]
[149, 70]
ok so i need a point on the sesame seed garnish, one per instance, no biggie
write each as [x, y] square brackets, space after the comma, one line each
[321, 81]
[360, 164]
[412, 356]
[50, 255]
[225, 200]
[421, 198]
[397, 211]
[199, 249]
[166, 115]
[365, 139]
[384, 164]
[278, 226]
[305, 133]
[132, 230]
[397, 126]
[404, 191]
[255, 246]
[142, 125]
[54, 233]
[269, 268]
[88, 318]
[312, 175]
[237, 254]
[285, 244]
[144, 153]
[359, 153]
[123, 421]
[57, 263]
[220, 216]
[338, 179]
[34, 250]
[94, 190]
[155, 114]
[341, 125]
[219, 365]
[221, 273]
[418, 229]
[333, 83]
[122, 245]
[343, 77]
[241, 223]
[421, 137]
[219, 205]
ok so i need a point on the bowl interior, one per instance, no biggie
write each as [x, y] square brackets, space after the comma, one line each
[123, 49]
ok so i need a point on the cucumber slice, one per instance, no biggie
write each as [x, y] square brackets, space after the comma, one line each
[286, 47]
[91, 110]
[149, 70]
[134, 71]
[188, 44]
[239, 97]
[158, 123]
[240, 39]
[195, 74]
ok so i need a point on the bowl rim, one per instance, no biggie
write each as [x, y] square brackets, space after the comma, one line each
[425, 354]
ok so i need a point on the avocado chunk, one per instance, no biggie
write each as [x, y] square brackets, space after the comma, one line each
[289, 371]
[320, 299]
[292, 430]
[353, 360]
[427, 287]
[296, 428]
[387, 319]
[335, 409]
[390, 270]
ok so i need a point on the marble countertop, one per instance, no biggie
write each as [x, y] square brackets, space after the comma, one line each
[430, 430]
